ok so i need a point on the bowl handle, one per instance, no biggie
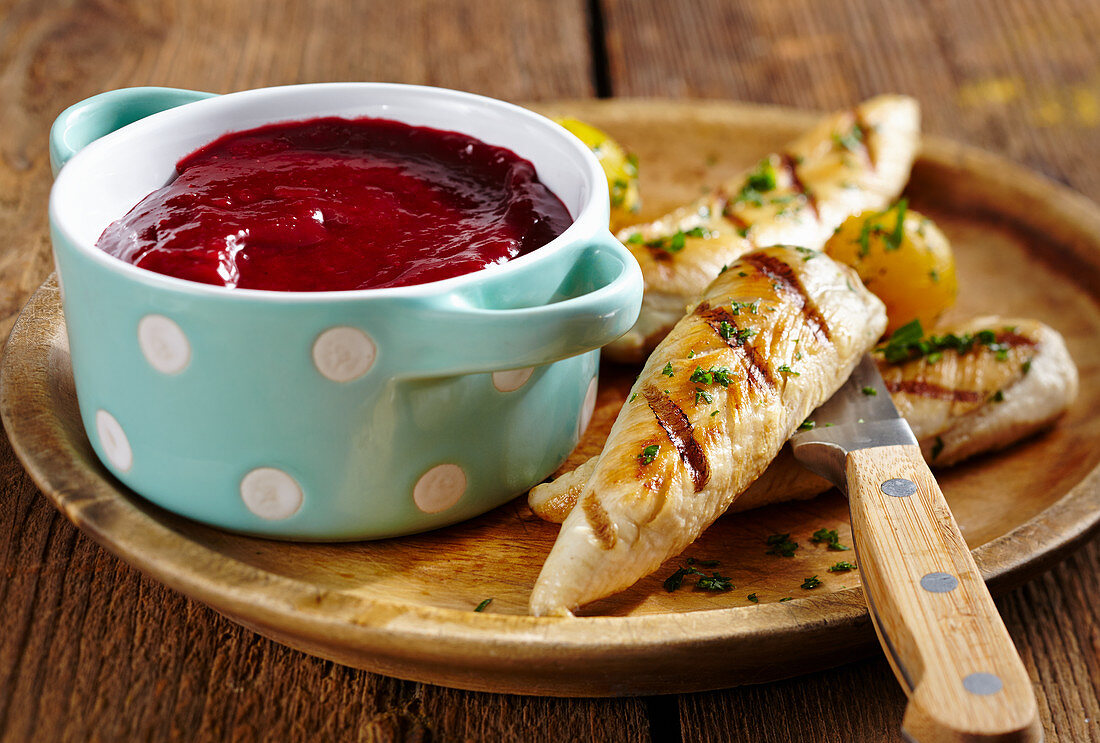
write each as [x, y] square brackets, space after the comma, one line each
[82, 123]
[586, 298]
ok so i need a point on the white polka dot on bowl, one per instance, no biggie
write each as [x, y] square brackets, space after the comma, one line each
[271, 493]
[113, 440]
[343, 353]
[439, 488]
[164, 344]
[512, 379]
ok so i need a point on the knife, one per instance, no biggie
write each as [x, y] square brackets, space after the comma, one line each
[933, 613]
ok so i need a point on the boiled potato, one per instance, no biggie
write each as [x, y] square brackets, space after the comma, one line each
[620, 167]
[903, 258]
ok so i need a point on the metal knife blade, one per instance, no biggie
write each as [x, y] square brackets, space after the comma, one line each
[860, 415]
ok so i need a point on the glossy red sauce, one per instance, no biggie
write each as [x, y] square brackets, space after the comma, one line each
[336, 204]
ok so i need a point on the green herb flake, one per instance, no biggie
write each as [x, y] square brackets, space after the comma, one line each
[807, 254]
[483, 605]
[649, 453]
[806, 425]
[894, 239]
[633, 395]
[781, 545]
[811, 583]
[742, 274]
[714, 375]
[667, 371]
[752, 597]
[998, 396]
[786, 598]
[701, 394]
[830, 538]
[841, 567]
[937, 448]
[1026, 367]
[714, 414]
[635, 238]
[714, 582]
[850, 140]
[788, 370]
[869, 391]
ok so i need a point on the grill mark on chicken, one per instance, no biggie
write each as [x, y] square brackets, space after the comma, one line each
[756, 367]
[790, 166]
[784, 278]
[602, 528]
[680, 432]
[1013, 339]
[865, 140]
[921, 388]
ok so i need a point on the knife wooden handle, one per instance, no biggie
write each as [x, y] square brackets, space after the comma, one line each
[932, 611]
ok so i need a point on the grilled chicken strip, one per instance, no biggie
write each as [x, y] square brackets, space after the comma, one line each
[852, 161]
[772, 338]
[952, 404]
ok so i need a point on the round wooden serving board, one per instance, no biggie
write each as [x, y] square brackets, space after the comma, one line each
[404, 607]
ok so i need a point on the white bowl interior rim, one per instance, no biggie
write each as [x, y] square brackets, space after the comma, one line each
[103, 181]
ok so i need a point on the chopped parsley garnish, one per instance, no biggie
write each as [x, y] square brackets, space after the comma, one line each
[752, 597]
[744, 334]
[667, 371]
[726, 330]
[725, 268]
[998, 396]
[714, 375]
[869, 391]
[811, 583]
[742, 274]
[829, 537]
[937, 448]
[909, 342]
[850, 140]
[807, 254]
[673, 243]
[649, 453]
[702, 394]
[781, 545]
[632, 396]
[806, 425]
[483, 605]
[893, 240]
[788, 370]
[619, 190]
[786, 598]
[934, 275]
[841, 567]
[759, 182]
[714, 413]
[712, 582]
[1026, 366]
[752, 307]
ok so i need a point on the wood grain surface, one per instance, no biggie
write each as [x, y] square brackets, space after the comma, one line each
[93, 651]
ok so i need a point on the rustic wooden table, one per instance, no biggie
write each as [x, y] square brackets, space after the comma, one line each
[91, 650]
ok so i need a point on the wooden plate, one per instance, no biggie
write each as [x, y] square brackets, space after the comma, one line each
[404, 607]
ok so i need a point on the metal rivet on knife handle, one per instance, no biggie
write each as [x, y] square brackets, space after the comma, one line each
[899, 487]
[939, 582]
[983, 683]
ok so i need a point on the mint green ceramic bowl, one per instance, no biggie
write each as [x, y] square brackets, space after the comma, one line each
[330, 415]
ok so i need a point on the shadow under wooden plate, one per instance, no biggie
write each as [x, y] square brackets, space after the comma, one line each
[404, 607]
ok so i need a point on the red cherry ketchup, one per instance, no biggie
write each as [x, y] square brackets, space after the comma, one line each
[336, 204]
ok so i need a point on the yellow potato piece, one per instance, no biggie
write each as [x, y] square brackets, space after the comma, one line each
[909, 266]
[620, 167]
